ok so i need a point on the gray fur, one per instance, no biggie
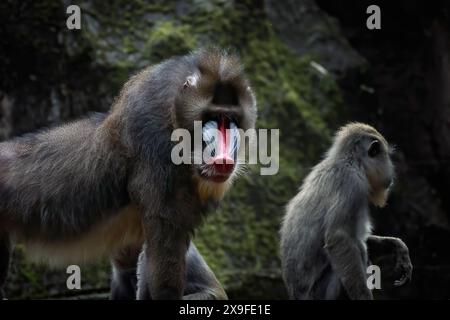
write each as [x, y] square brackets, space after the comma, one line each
[327, 224]
[201, 283]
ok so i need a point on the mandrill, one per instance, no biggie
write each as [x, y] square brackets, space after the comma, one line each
[106, 184]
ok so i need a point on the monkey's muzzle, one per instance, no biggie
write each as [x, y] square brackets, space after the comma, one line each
[221, 144]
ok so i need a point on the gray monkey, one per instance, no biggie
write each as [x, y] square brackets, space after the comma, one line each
[201, 283]
[326, 230]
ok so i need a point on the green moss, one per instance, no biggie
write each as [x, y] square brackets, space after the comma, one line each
[168, 39]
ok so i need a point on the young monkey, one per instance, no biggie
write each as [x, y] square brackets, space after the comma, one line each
[327, 229]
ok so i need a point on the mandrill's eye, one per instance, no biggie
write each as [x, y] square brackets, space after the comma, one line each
[374, 148]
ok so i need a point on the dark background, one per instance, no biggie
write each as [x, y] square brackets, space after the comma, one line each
[396, 79]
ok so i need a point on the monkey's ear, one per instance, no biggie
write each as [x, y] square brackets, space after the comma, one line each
[374, 148]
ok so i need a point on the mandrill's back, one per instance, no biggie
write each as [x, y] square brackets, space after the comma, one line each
[75, 190]
[47, 180]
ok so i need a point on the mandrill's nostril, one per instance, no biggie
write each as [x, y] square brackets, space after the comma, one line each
[223, 165]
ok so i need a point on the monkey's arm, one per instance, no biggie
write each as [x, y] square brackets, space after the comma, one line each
[201, 283]
[391, 248]
[166, 247]
[347, 261]
[167, 226]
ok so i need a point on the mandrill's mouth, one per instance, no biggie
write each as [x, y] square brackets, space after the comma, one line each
[220, 147]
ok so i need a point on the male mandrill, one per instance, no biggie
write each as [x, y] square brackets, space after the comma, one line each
[327, 229]
[107, 184]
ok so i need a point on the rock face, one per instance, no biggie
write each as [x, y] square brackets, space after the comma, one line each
[313, 66]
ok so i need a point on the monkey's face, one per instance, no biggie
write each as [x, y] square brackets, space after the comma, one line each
[378, 167]
[220, 145]
[225, 105]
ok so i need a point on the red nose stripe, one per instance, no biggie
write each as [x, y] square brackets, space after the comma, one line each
[223, 143]
[223, 163]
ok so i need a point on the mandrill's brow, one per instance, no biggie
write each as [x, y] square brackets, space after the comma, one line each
[225, 94]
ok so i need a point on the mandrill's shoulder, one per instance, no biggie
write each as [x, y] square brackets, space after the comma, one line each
[52, 148]
[61, 135]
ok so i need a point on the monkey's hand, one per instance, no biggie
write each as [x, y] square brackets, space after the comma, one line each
[387, 252]
[403, 265]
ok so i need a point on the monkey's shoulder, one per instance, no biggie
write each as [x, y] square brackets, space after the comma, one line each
[57, 135]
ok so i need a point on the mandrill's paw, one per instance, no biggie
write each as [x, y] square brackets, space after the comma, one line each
[403, 266]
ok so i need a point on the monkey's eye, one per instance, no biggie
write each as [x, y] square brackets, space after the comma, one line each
[374, 149]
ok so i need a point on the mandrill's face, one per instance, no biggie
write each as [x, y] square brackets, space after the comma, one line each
[220, 148]
[221, 108]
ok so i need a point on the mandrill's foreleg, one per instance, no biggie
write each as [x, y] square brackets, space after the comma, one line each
[163, 276]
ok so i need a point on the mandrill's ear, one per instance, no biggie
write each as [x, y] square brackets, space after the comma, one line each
[191, 81]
